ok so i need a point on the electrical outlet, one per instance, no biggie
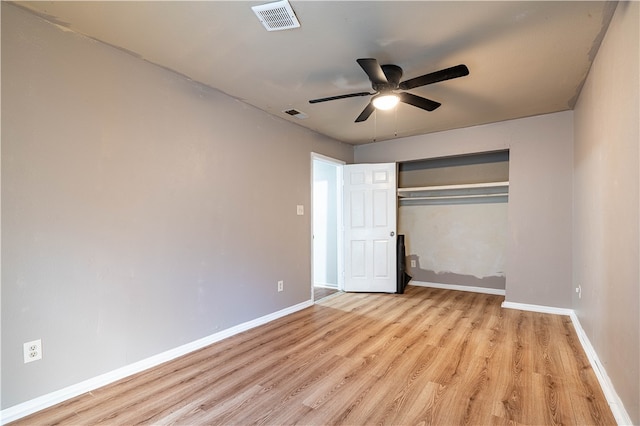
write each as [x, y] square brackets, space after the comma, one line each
[32, 351]
[413, 263]
[280, 285]
[579, 291]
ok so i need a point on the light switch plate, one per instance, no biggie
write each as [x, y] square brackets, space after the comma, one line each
[300, 210]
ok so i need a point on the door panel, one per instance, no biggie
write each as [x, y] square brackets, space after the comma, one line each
[370, 227]
[380, 256]
[381, 209]
[358, 209]
[358, 253]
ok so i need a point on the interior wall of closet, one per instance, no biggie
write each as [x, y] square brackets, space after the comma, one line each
[453, 213]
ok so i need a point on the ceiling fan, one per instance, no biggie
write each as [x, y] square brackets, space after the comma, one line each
[385, 81]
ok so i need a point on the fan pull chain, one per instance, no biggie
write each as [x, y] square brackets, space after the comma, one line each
[395, 133]
[375, 125]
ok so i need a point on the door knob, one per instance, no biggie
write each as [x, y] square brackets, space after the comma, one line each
[392, 233]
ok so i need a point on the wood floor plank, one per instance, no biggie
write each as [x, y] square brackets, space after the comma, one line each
[585, 392]
[429, 356]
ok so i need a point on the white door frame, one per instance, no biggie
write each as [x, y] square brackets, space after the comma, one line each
[340, 238]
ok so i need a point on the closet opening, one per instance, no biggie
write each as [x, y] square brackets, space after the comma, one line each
[453, 213]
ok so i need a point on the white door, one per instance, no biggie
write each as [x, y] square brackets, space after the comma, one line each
[370, 205]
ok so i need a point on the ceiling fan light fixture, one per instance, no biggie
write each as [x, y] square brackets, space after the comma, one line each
[386, 101]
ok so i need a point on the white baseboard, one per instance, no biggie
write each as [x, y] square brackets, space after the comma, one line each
[617, 408]
[615, 404]
[485, 290]
[325, 285]
[537, 308]
[45, 401]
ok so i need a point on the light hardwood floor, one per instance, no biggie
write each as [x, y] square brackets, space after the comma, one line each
[428, 356]
[322, 292]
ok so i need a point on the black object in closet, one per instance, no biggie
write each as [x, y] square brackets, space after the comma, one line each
[402, 278]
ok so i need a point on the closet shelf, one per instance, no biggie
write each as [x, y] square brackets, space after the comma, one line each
[442, 193]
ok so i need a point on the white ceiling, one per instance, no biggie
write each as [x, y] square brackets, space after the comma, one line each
[525, 58]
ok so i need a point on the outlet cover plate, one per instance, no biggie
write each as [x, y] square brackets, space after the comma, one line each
[32, 351]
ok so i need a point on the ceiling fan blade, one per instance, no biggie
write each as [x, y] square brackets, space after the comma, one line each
[434, 77]
[418, 101]
[333, 98]
[373, 70]
[365, 113]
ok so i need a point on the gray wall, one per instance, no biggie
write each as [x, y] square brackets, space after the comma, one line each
[460, 244]
[538, 265]
[140, 211]
[606, 192]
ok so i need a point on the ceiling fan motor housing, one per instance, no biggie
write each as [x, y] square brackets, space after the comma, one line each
[393, 74]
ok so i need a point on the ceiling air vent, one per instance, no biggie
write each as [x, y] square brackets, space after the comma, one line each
[276, 16]
[295, 113]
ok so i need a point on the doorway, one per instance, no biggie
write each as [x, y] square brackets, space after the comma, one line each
[327, 242]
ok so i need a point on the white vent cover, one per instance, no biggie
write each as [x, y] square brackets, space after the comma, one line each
[295, 113]
[276, 16]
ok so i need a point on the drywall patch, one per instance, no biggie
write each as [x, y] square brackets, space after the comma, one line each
[496, 282]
